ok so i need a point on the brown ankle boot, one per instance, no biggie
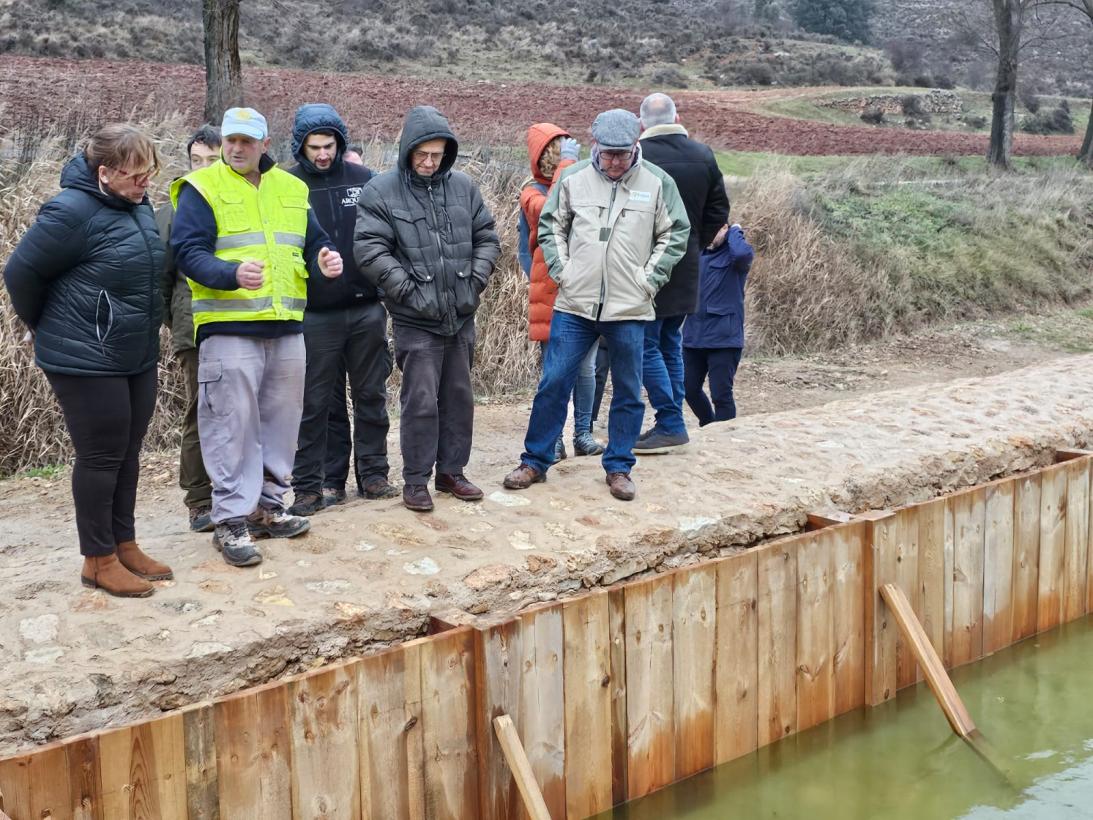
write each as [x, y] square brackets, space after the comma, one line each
[106, 572]
[141, 565]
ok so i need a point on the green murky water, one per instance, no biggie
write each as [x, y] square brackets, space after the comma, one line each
[1033, 703]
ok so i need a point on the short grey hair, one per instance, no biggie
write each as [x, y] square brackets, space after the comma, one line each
[657, 109]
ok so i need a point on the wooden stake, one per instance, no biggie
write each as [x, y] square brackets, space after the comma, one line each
[517, 759]
[928, 659]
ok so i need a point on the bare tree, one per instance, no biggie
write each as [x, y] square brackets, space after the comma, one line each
[223, 73]
[1085, 7]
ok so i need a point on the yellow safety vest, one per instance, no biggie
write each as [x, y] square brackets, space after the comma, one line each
[264, 224]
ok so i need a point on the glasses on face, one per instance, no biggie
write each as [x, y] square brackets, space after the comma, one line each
[136, 177]
[433, 156]
[615, 156]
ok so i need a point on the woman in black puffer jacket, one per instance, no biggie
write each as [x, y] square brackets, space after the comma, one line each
[85, 279]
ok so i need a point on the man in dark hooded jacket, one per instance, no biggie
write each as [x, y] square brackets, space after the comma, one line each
[426, 239]
[345, 332]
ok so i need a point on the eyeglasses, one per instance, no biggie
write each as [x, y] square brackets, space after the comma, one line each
[433, 156]
[138, 177]
[616, 156]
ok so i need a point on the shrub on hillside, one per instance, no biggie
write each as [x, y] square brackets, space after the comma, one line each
[670, 77]
[1029, 98]
[873, 115]
[1055, 121]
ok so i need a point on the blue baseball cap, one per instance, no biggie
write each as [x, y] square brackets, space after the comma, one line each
[245, 121]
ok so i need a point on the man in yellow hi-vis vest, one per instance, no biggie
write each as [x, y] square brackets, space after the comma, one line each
[245, 238]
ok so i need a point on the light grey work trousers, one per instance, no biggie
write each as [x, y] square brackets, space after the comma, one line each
[250, 398]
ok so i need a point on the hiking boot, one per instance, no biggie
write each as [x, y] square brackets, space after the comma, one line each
[621, 486]
[457, 485]
[585, 445]
[201, 519]
[307, 504]
[377, 488]
[141, 565]
[523, 477]
[416, 497]
[233, 540]
[267, 523]
[657, 442]
[333, 496]
[559, 450]
[107, 573]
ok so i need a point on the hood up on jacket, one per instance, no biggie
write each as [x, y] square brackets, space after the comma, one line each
[312, 117]
[424, 123]
[540, 136]
[77, 175]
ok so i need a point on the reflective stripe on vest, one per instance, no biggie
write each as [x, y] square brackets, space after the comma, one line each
[265, 224]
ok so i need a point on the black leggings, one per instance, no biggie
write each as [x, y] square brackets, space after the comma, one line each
[107, 417]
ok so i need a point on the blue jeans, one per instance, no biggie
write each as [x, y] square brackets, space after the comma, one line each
[662, 372]
[584, 391]
[571, 337]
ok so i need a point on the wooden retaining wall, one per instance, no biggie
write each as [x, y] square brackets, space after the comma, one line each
[615, 693]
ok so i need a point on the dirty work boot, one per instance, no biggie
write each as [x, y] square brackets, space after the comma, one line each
[377, 488]
[523, 477]
[233, 540]
[559, 450]
[141, 565]
[307, 504]
[458, 486]
[585, 445]
[106, 572]
[201, 518]
[267, 523]
[416, 497]
[621, 486]
[658, 442]
[333, 495]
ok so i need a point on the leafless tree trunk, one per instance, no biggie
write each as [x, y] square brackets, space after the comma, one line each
[1009, 22]
[223, 74]
[1086, 153]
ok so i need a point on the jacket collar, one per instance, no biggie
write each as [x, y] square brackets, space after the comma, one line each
[664, 130]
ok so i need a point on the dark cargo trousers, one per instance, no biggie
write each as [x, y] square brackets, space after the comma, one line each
[349, 342]
[437, 401]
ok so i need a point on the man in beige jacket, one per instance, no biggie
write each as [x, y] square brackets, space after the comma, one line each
[611, 232]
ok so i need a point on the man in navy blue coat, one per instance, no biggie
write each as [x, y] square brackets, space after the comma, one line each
[713, 336]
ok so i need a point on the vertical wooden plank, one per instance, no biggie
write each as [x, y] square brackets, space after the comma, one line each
[777, 640]
[906, 545]
[542, 703]
[498, 650]
[448, 734]
[1052, 547]
[620, 732]
[166, 770]
[649, 686]
[15, 785]
[815, 629]
[199, 739]
[143, 770]
[736, 666]
[948, 554]
[586, 626]
[1026, 555]
[84, 777]
[253, 751]
[391, 754]
[325, 748]
[848, 614]
[1076, 539]
[931, 570]
[48, 791]
[694, 636]
[998, 567]
[969, 511]
[880, 631]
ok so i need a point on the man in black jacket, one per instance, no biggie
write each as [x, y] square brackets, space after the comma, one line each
[426, 239]
[345, 332]
[665, 143]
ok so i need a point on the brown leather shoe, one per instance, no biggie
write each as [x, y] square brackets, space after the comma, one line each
[142, 565]
[458, 486]
[416, 497]
[106, 572]
[621, 486]
[523, 477]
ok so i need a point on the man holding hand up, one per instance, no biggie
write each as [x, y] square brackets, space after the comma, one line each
[246, 239]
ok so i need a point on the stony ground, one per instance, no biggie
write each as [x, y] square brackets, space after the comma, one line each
[867, 427]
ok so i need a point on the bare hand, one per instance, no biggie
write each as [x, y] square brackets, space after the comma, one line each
[249, 275]
[719, 240]
[330, 263]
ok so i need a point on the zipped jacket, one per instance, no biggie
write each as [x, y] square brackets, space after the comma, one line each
[610, 245]
[428, 244]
